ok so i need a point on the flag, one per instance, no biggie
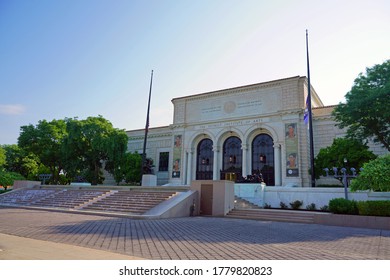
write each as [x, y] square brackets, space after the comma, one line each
[306, 114]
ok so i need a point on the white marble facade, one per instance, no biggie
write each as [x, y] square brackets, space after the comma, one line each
[239, 131]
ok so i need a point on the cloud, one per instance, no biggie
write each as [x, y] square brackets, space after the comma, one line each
[14, 110]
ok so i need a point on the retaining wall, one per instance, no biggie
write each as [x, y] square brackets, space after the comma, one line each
[261, 195]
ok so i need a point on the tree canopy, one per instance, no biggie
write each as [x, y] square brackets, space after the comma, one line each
[89, 143]
[71, 148]
[20, 161]
[2, 157]
[375, 176]
[45, 140]
[352, 150]
[366, 112]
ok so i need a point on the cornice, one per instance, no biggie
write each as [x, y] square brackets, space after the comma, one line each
[234, 90]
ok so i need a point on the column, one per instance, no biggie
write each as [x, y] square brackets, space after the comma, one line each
[244, 148]
[215, 163]
[189, 166]
[278, 166]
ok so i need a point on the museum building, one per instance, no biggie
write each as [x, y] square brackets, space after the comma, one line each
[240, 134]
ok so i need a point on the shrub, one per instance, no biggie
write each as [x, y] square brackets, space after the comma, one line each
[311, 207]
[296, 204]
[375, 176]
[283, 205]
[374, 208]
[343, 206]
[324, 208]
[267, 206]
[8, 178]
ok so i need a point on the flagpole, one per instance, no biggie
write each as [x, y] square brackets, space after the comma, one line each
[313, 177]
[146, 127]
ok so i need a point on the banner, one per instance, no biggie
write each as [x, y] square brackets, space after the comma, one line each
[177, 156]
[291, 150]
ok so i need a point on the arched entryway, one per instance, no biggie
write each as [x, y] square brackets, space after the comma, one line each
[232, 159]
[263, 158]
[204, 160]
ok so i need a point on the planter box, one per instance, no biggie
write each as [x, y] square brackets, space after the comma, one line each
[373, 222]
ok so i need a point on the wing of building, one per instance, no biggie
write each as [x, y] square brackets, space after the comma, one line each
[240, 133]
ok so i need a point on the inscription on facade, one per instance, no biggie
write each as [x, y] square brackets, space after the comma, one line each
[233, 123]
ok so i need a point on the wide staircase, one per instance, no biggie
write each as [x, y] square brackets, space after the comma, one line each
[135, 202]
[98, 200]
[293, 216]
[26, 197]
[68, 198]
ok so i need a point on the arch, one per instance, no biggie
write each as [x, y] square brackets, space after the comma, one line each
[221, 137]
[263, 158]
[262, 129]
[204, 160]
[232, 158]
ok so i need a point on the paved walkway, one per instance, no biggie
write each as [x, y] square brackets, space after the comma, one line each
[183, 238]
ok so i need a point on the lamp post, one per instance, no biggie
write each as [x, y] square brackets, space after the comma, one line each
[343, 176]
[345, 179]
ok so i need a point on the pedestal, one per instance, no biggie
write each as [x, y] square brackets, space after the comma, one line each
[149, 180]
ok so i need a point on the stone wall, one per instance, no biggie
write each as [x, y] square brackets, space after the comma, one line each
[272, 196]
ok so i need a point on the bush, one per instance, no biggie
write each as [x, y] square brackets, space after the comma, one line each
[375, 176]
[343, 206]
[296, 204]
[324, 208]
[311, 207]
[283, 205]
[7, 178]
[374, 208]
[267, 206]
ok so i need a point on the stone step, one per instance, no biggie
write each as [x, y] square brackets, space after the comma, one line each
[273, 215]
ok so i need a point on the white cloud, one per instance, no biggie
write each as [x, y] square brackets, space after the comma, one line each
[12, 109]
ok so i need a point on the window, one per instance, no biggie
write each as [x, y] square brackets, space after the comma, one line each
[163, 161]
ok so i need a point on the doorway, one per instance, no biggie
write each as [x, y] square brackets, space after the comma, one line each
[263, 158]
[206, 199]
[205, 160]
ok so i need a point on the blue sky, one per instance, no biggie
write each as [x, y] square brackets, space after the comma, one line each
[80, 58]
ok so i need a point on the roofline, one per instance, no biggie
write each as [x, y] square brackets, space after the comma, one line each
[323, 107]
[236, 88]
[151, 128]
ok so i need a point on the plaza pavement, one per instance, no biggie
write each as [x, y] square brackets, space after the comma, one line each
[34, 234]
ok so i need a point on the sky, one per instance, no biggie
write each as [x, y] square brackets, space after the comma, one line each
[80, 58]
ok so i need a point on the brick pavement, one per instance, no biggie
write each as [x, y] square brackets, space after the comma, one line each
[198, 237]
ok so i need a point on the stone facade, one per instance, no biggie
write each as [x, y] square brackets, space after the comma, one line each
[233, 133]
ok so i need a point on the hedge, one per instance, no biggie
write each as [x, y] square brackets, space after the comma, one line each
[374, 208]
[365, 208]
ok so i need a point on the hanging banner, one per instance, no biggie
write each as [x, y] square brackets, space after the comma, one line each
[291, 141]
[177, 156]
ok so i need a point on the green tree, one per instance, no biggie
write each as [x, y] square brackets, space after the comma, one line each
[366, 112]
[352, 150]
[132, 168]
[375, 176]
[2, 157]
[20, 161]
[89, 143]
[7, 178]
[45, 140]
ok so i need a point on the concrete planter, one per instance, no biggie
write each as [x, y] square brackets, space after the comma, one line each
[373, 222]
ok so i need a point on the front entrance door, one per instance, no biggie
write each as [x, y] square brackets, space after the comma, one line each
[263, 158]
[206, 199]
[232, 159]
[204, 160]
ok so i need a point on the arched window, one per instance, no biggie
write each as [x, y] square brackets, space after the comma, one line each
[232, 157]
[204, 160]
[263, 158]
